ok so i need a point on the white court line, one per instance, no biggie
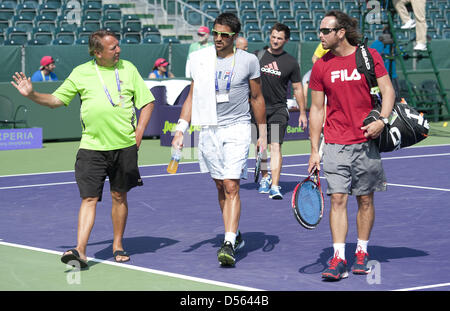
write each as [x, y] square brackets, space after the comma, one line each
[164, 164]
[289, 165]
[389, 184]
[422, 287]
[287, 174]
[142, 269]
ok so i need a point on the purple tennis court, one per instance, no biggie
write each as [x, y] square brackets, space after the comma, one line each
[174, 225]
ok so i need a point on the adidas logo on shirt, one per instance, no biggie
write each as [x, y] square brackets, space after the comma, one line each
[271, 68]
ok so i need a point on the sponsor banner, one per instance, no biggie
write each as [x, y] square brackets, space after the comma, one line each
[26, 138]
[169, 117]
[293, 131]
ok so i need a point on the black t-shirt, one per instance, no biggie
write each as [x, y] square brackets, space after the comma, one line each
[276, 72]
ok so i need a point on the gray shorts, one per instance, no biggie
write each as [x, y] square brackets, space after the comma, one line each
[353, 169]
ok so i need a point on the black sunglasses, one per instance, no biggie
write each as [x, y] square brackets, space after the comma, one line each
[326, 31]
[224, 35]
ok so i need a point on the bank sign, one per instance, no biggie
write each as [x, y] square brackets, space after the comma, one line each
[26, 138]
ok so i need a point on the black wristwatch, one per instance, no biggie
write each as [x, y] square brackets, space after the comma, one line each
[385, 120]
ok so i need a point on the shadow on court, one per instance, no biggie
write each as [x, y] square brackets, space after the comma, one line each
[378, 253]
[286, 186]
[253, 241]
[133, 246]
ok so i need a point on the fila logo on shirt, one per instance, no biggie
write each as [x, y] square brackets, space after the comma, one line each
[272, 69]
[343, 75]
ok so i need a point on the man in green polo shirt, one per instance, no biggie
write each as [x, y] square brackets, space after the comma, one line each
[110, 90]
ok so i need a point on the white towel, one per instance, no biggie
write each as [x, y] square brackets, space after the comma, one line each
[203, 72]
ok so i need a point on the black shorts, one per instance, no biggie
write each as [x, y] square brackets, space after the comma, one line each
[277, 122]
[92, 167]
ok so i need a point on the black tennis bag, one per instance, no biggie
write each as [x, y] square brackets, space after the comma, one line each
[406, 126]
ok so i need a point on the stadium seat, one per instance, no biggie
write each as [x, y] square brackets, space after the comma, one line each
[251, 25]
[29, 7]
[266, 14]
[14, 42]
[282, 5]
[193, 17]
[94, 16]
[299, 5]
[17, 35]
[23, 21]
[111, 8]
[213, 12]
[42, 35]
[131, 40]
[150, 29]
[309, 35]
[64, 35]
[248, 15]
[44, 19]
[84, 32]
[316, 5]
[152, 38]
[295, 36]
[246, 5]
[446, 34]
[7, 10]
[63, 41]
[82, 41]
[114, 26]
[37, 42]
[129, 33]
[333, 5]
[50, 7]
[254, 37]
[228, 6]
[91, 25]
[112, 16]
[170, 39]
[62, 22]
[306, 24]
[209, 5]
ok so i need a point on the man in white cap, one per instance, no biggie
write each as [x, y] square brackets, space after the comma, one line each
[203, 36]
[45, 72]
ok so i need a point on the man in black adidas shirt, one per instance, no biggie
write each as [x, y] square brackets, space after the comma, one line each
[277, 69]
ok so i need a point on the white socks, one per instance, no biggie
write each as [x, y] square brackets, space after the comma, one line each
[362, 245]
[230, 237]
[339, 248]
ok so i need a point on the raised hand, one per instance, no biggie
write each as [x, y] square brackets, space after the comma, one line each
[22, 84]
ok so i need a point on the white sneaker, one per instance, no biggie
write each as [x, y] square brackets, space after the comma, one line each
[409, 24]
[420, 47]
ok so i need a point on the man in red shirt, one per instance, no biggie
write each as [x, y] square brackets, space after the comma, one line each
[351, 160]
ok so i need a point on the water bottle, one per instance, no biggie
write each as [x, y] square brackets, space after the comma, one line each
[176, 157]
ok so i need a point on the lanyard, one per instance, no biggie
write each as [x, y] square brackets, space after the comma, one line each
[229, 77]
[43, 77]
[116, 71]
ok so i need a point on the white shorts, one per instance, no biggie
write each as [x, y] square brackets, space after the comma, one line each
[223, 151]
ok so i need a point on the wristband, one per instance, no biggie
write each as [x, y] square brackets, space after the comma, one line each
[182, 126]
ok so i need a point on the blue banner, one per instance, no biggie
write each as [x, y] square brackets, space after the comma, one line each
[26, 138]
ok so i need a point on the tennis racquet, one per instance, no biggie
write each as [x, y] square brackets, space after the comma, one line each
[258, 166]
[308, 202]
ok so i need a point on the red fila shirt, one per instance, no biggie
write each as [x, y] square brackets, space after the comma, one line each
[348, 98]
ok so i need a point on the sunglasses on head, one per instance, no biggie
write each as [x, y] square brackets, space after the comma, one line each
[224, 35]
[326, 31]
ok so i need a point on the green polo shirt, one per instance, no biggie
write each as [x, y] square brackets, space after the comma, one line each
[106, 127]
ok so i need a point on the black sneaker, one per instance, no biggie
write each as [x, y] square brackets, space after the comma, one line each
[239, 242]
[225, 255]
